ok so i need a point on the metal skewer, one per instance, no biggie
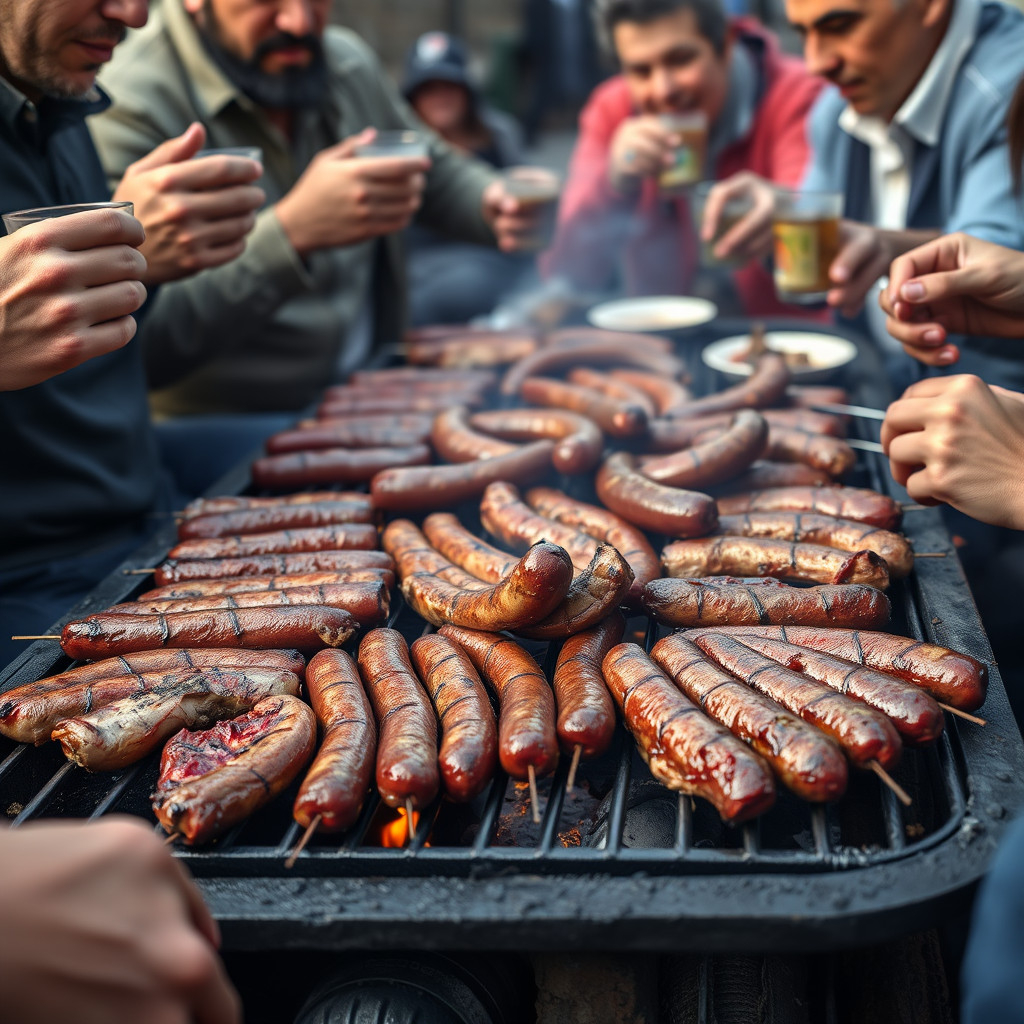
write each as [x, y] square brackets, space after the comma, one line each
[863, 411]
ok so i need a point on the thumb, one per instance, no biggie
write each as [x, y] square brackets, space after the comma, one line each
[175, 150]
[347, 147]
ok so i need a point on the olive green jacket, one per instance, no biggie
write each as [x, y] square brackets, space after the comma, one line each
[266, 331]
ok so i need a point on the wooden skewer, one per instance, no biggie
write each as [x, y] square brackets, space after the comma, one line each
[930, 554]
[139, 572]
[901, 794]
[303, 839]
[576, 754]
[410, 825]
[962, 714]
[172, 838]
[915, 508]
[534, 799]
[44, 636]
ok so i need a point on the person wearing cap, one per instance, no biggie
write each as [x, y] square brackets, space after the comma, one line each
[450, 281]
[321, 286]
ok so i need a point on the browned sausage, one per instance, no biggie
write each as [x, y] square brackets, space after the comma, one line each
[725, 601]
[763, 475]
[685, 749]
[235, 503]
[171, 571]
[347, 537]
[433, 377]
[668, 396]
[483, 348]
[431, 402]
[537, 584]
[255, 584]
[579, 439]
[436, 487]
[337, 782]
[342, 393]
[615, 388]
[304, 627]
[665, 434]
[650, 505]
[812, 528]
[455, 440]
[586, 715]
[615, 418]
[764, 387]
[244, 764]
[602, 525]
[367, 603]
[865, 734]
[526, 718]
[806, 760]
[859, 503]
[465, 549]
[267, 520]
[949, 676]
[819, 451]
[714, 460]
[469, 738]
[759, 556]
[804, 396]
[333, 466]
[407, 750]
[357, 433]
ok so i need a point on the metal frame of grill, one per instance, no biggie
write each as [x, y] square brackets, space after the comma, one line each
[801, 878]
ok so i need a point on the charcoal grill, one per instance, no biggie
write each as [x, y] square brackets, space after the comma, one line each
[799, 879]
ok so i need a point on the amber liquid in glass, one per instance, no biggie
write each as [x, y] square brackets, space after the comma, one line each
[804, 251]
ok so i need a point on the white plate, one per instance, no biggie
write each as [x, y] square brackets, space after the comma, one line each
[826, 352]
[653, 313]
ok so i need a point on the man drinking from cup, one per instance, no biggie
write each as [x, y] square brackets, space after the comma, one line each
[321, 282]
[698, 96]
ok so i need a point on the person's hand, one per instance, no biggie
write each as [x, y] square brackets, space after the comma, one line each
[341, 199]
[518, 226]
[750, 238]
[642, 148]
[865, 253]
[196, 212]
[101, 924]
[958, 441]
[68, 287]
[954, 285]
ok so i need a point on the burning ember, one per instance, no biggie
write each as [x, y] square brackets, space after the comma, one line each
[396, 833]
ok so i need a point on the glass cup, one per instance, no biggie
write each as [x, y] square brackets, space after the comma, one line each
[735, 209]
[249, 152]
[22, 218]
[689, 156]
[395, 143]
[539, 188]
[805, 228]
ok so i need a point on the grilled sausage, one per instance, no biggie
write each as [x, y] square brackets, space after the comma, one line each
[428, 402]
[367, 603]
[802, 756]
[237, 503]
[336, 784]
[665, 434]
[917, 717]
[332, 466]
[650, 505]
[465, 549]
[685, 749]
[244, 764]
[434, 378]
[615, 418]
[614, 388]
[764, 475]
[725, 601]
[758, 556]
[864, 734]
[436, 487]
[357, 432]
[714, 460]
[537, 584]
[455, 440]
[949, 676]
[482, 348]
[806, 396]
[349, 537]
[268, 520]
[579, 439]
[859, 503]
[304, 627]
[819, 451]
[602, 525]
[121, 732]
[526, 717]
[175, 572]
[586, 715]
[273, 584]
[339, 394]
[764, 387]
[469, 737]
[668, 396]
[407, 750]
[813, 528]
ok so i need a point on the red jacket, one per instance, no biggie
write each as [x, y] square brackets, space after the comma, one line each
[599, 227]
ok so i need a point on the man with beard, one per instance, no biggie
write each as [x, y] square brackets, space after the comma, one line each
[320, 284]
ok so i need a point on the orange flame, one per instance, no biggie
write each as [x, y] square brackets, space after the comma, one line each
[395, 834]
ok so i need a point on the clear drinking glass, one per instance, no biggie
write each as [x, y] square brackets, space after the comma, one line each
[735, 209]
[535, 187]
[249, 152]
[805, 227]
[395, 143]
[689, 156]
[22, 218]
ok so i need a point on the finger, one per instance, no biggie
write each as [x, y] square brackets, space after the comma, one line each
[347, 147]
[183, 147]
[215, 256]
[921, 487]
[211, 173]
[108, 264]
[199, 912]
[216, 1001]
[220, 203]
[392, 168]
[87, 230]
[745, 236]
[933, 288]
[109, 302]
[947, 355]
[95, 341]
[226, 231]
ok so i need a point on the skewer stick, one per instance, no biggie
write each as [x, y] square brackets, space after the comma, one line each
[929, 554]
[534, 799]
[901, 794]
[303, 839]
[410, 822]
[172, 838]
[962, 714]
[576, 754]
[44, 636]
[139, 572]
[915, 508]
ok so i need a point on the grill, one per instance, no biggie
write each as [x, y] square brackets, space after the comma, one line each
[619, 863]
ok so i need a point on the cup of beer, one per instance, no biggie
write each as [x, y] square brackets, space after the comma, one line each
[735, 209]
[535, 187]
[22, 218]
[688, 158]
[405, 144]
[249, 152]
[805, 228]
